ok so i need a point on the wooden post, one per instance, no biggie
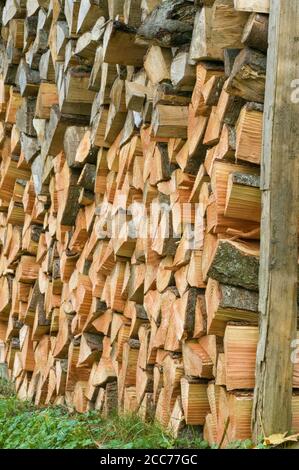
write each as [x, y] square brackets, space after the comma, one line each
[279, 246]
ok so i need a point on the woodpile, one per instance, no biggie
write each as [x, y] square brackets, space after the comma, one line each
[131, 136]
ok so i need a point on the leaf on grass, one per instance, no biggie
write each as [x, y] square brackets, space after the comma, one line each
[277, 439]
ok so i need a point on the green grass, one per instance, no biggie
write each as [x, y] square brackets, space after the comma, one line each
[22, 426]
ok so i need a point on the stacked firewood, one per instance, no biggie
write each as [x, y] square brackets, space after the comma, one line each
[131, 134]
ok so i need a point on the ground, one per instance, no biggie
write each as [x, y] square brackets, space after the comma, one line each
[23, 426]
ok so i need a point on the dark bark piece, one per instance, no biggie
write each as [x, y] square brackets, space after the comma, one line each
[36, 232]
[233, 109]
[234, 266]
[71, 207]
[9, 73]
[86, 197]
[190, 307]
[248, 76]
[30, 28]
[238, 298]
[87, 177]
[165, 93]
[111, 399]
[25, 116]
[229, 60]
[246, 179]
[256, 32]
[169, 24]
[195, 160]
[134, 343]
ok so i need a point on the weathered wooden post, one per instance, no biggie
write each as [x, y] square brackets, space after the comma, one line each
[272, 410]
